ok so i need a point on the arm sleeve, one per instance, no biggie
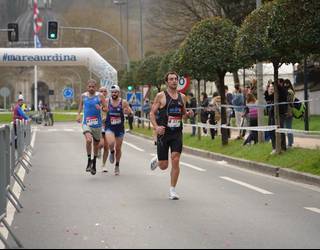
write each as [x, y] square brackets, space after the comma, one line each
[22, 114]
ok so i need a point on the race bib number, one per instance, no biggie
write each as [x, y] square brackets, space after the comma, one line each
[92, 121]
[174, 122]
[116, 120]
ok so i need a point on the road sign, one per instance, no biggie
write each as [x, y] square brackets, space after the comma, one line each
[135, 99]
[68, 93]
[5, 92]
[184, 83]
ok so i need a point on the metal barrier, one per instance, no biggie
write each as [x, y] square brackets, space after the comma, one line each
[15, 151]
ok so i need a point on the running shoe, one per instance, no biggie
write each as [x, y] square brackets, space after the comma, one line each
[154, 163]
[112, 158]
[88, 169]
[104, 168]
[117, 170]
[173, 195]
[93, 168]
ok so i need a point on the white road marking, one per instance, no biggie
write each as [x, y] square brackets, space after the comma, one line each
[68, 130]
[193, 167]
[133, 146]
[17, 191]
[187, 165]
[313, 209]
[260, 190]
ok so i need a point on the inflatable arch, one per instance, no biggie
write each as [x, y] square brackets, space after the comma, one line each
[20, 57]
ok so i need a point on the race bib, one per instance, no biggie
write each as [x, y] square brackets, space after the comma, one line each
[115, 120]
[174, 122]
[92, 121]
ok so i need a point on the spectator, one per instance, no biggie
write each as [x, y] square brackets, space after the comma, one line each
[269, 96]
[204, 111]
[214, 113]
[288, 119]
[252, 113]
[18, 114]
[130, 119]
[146, 108]
[229, 110]
[192, 104]
[238, 101]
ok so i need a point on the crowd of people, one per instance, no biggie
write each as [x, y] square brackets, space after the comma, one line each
[242, 108]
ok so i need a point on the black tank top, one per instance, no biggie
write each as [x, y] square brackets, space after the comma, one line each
[170, 116]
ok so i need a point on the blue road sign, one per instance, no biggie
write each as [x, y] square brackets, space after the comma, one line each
[135, 99]
[68, 93]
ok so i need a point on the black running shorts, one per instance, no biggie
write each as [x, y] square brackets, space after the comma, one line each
[169, 141]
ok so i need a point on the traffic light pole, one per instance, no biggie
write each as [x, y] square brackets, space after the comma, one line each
[107, 34]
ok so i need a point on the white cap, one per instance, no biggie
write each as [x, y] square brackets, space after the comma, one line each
[20, 98]
[115, 88]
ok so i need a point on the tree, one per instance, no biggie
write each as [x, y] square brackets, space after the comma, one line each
[258, 41]
[165, 65]
[302, 34]
[129, 78]
[208, 53]
[147, 71]
[172, 20]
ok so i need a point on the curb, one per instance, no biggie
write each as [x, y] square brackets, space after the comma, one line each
[271, 170]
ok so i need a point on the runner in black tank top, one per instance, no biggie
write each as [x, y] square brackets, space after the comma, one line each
[169, 108]
[170, 117]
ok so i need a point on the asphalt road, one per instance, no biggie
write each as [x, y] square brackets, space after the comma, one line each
[221, 206]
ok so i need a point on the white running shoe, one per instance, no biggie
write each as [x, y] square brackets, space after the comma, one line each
[173, 195]
[104, 168]
[154, 163]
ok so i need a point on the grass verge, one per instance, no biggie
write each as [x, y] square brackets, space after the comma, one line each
[299, 159]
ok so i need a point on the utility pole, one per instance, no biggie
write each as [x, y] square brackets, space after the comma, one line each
[259, 71]
[141, 31]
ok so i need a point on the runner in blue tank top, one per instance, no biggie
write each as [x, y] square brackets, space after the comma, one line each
[91, 103]
[115, 131]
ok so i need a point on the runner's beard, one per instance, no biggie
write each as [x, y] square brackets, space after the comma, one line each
[114, 97]
[174, 88]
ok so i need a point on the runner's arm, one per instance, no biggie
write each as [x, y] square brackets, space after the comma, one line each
[126, 108]
[154, 110]
[80, 109]
[186, 113]
[104, 103]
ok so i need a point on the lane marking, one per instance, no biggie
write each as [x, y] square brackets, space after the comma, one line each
[192, 166]
[134, 147]
[187, 165]
[11, 211]
[313, 209]
[260, 190]
[68, 130]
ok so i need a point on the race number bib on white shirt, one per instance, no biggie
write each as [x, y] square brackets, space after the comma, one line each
[116, 120]
[92, 121]
[174, 122]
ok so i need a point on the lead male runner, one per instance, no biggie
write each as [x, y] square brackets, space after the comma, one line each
[166, 116]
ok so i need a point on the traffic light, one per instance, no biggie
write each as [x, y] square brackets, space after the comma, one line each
[52, 30]
[130, 88]
[13, 32]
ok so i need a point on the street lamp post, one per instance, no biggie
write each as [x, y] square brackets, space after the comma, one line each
[120, 3]
[141, 31]
[107, 34]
